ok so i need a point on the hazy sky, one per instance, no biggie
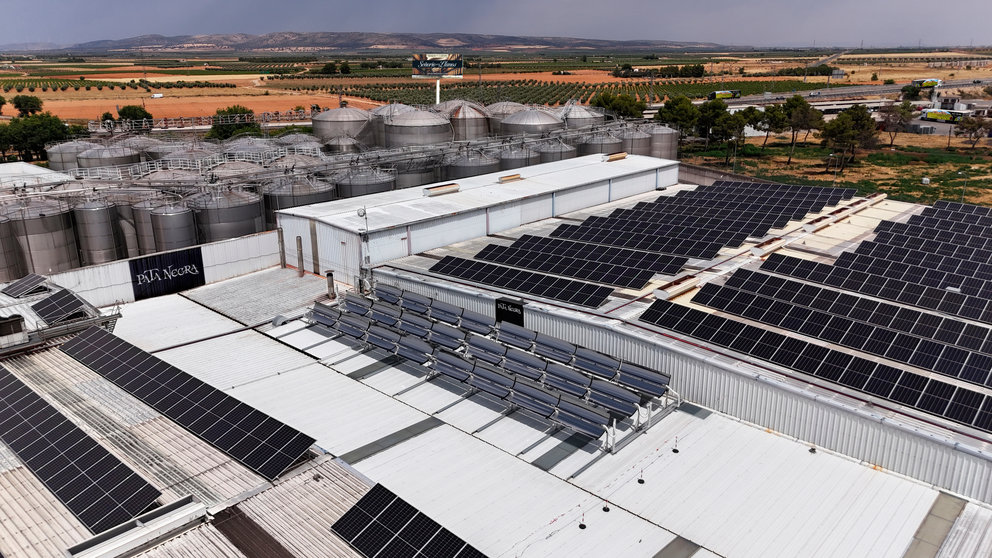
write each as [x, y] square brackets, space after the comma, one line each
[738, 22]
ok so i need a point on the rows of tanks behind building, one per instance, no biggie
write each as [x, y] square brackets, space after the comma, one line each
[139, 195]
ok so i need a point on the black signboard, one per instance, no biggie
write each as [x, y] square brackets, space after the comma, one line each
[167, 273]
[437, 66]
[510, 310]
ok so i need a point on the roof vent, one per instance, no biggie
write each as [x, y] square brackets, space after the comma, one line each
[440, 190]
[510, 178]
[615, 157]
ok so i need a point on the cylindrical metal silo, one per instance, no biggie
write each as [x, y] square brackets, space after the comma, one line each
[143, 230]
[635, 142]
[600, 143]
[235, 168]
[342, 144]
[469, 121]
[107, 157]
[45, 234]
[173, 227]
[124, 201]
[293, 191]
[366, 180]
[516, 157]
[100, 237]
[580, 116]
[347, 121]
[555, 151]
[379, 116]
[250, 145]
[417, 127]
[530, 121]
[499, 111]
[62, 157]
[295, 138]
[11, 263]
[141, 144]
[417, 173]
[222, 214]
[295, 161]
[188, 156]
[470, 164]
[664, 142]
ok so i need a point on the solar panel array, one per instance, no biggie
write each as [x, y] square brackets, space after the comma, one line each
[930, 395]
[29, 284]
[547, 286]
[948, 346]
[383, 525]
[569, 385]
[256, 440]
[61, 306]
[95, 486]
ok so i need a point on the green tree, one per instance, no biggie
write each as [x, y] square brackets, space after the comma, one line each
[29, 134]
[729, 128]
[896, 118]
[345, 68]
[106, 116]
[134, 112]
[802, 117]
[773, 121]
[243, 123]
[329, 68]
[709, 112]
[26, 104]
[911, 93]
[865, 128]
[838, 135]
[973, 128]
[623, 105]
[680, 113]
[6, 142]
[2, 103]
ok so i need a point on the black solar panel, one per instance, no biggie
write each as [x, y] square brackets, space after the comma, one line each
[95, 486]
[383, 525]
[957, 404]
[566, 266]
[547, 286]
[27, 285]
[61, 306]
[256, 440]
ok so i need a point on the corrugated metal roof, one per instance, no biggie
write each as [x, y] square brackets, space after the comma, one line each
[971, 534]
[166, 321]
[504, 506]
[33, 523]
[204, 541]
[401, 207]
[340, 413]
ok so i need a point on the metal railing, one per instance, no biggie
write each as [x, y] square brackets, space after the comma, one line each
[178, 123]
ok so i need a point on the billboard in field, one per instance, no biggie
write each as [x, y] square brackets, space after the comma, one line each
[437, 66]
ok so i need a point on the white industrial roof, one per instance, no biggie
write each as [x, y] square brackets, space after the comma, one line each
[406, 206]
[26, 174]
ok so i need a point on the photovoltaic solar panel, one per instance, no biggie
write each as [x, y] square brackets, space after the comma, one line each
[383, 525]
[61, 306]
[27, 285]
[256, 440]
[95, 486]
[547, 286]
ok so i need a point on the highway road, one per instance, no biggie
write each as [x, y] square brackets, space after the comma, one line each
[854, 91]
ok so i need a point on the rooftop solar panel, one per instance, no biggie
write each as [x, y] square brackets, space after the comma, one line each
[253, 438]
[61, 306]
[27, 285]
[95, 486]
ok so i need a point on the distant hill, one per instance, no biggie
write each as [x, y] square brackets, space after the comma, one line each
[25, 47]
[354, 42]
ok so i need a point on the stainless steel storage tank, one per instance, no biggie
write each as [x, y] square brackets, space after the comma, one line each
[664, 142]
[530, 121]
[107, 157]
[250, 145]
[600, 143]
[124, 201]
[555, 150]
[235, 168]
[173, 226]
[226, 213]
[499, 111]
[62, 157]
[417, 172]
[100, 237]
[417, 127]
[294, 160]
[190, 155]
[472, 163]
[45, 234]
[347, 121]
[581, 116]
[295, 138]
[11, 264]
[447, 107]
[343, 144]
[516, 157]
[379, 116]
[469, 121]
[635, 142]
[141, 144]
[144, 233]
[293, 191]
[365, 180]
